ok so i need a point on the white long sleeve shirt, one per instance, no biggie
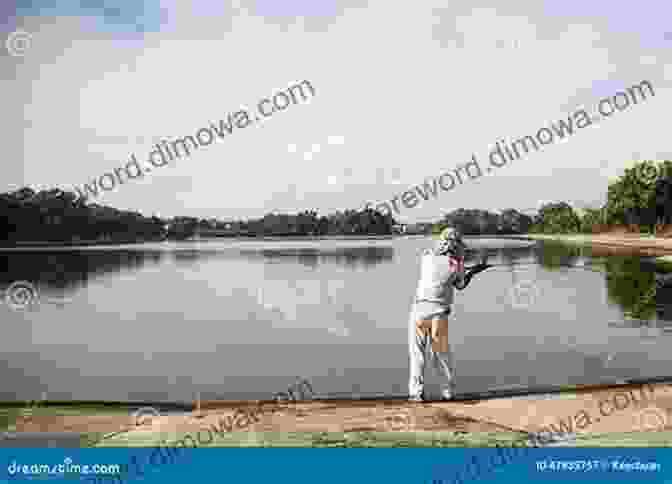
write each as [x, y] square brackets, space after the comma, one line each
[439, 275]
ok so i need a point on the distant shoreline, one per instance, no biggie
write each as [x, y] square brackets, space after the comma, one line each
[90, 243]
[275, 238]
[78, 243]
[635, 241]
[87, 244]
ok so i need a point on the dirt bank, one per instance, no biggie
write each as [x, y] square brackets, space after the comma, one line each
[621, 244]
[623, 409]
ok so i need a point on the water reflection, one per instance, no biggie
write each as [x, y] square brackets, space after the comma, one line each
[64, 273]
[647, 329]
[58, 275]
[632, 284]
[323, 307]
[352, 257]
[631, 281]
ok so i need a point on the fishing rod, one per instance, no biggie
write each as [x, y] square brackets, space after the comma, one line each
[474, 270]
[535, 264]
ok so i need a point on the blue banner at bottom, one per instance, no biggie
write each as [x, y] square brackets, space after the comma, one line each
[422, 466]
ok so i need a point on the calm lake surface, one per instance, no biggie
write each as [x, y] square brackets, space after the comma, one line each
[239, 319]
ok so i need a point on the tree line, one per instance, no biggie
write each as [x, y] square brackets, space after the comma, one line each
[56, 216]
[483, 222]
[638, 201]
[309, 223]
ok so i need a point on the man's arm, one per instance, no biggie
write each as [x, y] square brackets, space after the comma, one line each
[460, 277]
[462, 280]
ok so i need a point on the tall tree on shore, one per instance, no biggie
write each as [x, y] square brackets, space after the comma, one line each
[631, 198]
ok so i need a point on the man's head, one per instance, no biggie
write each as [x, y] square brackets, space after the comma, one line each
[450, 242]
[451, 234]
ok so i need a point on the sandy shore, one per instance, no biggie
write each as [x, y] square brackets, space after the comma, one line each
[641, 244]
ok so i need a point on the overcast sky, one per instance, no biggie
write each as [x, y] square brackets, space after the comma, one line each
[404, 91]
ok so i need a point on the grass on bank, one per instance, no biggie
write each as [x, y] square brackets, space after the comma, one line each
[322, 439]
[12, 412]
[385, 439]
[625, 439]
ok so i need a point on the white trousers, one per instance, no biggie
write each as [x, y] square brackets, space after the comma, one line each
[421, 351]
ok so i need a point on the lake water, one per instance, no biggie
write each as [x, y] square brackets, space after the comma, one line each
[242, 319]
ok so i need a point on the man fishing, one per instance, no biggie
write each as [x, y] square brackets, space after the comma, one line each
[442, 270]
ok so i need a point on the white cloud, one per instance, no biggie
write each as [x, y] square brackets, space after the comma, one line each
[385, 79]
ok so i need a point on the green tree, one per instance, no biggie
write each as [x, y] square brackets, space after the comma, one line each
[590, 220]
[557, 218]
[631, 199]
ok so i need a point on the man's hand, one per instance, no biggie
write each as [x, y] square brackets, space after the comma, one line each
[471, 272]
[479, 268]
